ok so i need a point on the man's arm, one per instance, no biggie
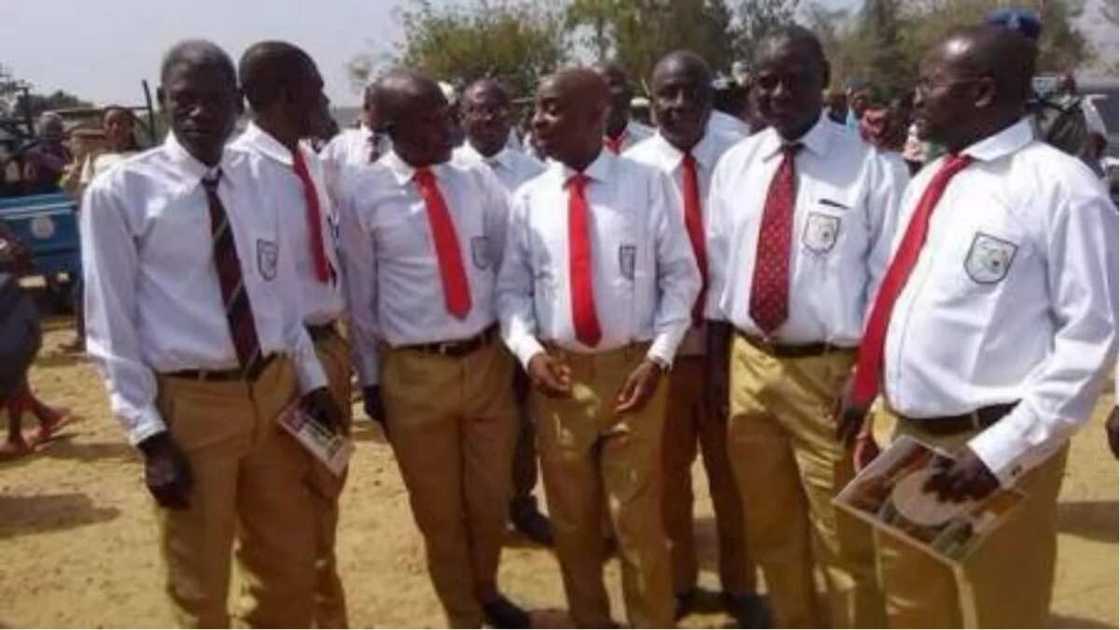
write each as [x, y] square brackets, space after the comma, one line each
[359, 264]
[678, 277]
[717, 351]
[516, 311]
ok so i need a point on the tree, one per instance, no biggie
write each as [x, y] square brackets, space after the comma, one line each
[755, 20]
[514, 41]
[636, 33]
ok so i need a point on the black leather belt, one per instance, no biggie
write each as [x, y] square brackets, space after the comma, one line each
[459, 347]
[982, 418]
[786, 351]
[235, 374]
[321, 331]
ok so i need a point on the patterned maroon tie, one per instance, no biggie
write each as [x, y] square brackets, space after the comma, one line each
[769, 304]
[239, 312]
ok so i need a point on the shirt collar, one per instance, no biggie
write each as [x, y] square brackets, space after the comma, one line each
[670, 157]
[816, 140]
[600, 168]
[403, 172]
[191, 166]
[502, 158]
[263, 142]
[1001, 143]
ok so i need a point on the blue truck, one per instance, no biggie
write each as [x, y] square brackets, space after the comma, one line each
[48, 226]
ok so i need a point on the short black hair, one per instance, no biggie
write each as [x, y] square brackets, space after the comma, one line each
[266, 69]
[794, 33]
[196, 51]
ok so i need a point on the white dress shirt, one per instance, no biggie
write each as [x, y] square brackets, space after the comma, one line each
[644, 274]
[392, 270]
[512, 167]
[270, 164]
[662, 155]
[634, 133]
[152, 298]
[1012, 299]
[844, 211]
[721, 122]
[351, 147]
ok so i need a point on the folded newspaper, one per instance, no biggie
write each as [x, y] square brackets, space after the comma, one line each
[889, 495]
[329, 447]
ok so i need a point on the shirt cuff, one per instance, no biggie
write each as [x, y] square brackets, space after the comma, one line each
[527, 348]
[310, 375]
[1003, 447]
[144, 425]
[365, 363]
[664, 347]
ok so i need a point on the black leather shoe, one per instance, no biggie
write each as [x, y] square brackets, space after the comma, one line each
[533, 525]
[502, 613]
[686, 602]
[749, 611]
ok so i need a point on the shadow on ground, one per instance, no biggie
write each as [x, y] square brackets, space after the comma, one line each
[1095, 520]
[21, 515]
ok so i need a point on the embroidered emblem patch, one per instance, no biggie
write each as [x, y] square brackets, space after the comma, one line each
[627, 259]
[989, 258]
[821, 231]
[480, 251]
[267, 255]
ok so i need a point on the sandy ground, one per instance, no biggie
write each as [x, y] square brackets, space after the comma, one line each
[77, 538]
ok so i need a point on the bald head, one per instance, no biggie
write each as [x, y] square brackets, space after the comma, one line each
[268, 68]
[570, 117]
[197, 52]
[681, 86]
[682, 61]
[990, 51]
[581, 83]
[485, 87]
[400, 90]
[620, 94]
[416, 115]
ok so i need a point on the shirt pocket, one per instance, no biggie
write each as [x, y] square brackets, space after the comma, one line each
[990, 256]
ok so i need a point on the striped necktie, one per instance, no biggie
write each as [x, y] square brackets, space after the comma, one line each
[239, 311]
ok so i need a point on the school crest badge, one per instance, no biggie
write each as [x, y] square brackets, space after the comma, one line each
[480, 251]
[989, 258]
[627, 259]
[821, 232]
[268, 253]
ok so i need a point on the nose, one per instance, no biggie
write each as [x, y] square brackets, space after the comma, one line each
[538, 123]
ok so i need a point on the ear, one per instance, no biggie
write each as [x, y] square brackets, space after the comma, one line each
[986, 93]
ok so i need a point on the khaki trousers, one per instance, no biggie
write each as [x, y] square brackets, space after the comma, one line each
[788, 465]
[686, 425]
[593, 460]
[452, 424]
[330, 598]
[1007, 581]
[249, 478]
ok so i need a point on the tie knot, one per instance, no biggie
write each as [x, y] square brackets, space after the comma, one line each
[689, 160]
[577, 181]
[424, 176]
[790, 149]
[211, 178]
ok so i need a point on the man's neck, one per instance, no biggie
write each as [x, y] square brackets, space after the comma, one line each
[280, 131]
[982, 132]
[484, 151]
[581, 162]
[616, 131]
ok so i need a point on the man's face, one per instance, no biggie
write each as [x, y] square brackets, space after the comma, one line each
[787, 88]
[486, 119]
[682, 102]
[943, 98]
[563, 124]
[621, 94]
[309, 104]
[861, 100]
[202, 101]
[423, 135]
[118, 128]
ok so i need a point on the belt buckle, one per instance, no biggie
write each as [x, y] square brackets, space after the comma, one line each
[444, 348]
[767, 345]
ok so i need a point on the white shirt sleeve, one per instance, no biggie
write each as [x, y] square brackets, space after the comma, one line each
[515, 286]
[496, 219]
[359, 263]
[1059, 394]
[717, 236]
[678, 277]
[309, 371]
[111, 267]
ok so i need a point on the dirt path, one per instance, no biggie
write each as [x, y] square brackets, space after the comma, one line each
[77, 539]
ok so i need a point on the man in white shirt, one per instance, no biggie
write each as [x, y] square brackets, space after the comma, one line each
[687, 149]
[352, 147]
[621, 132]
[422, 239]
[993, 329]
[191, 316]
[798, 233]
[285, 94]
[594, 295]
[486, 122]
[727, 124]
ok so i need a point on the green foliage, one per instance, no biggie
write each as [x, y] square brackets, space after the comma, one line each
[756, 19]
[515, 41]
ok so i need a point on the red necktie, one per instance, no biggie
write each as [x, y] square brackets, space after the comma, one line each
[615, 144]
[456, 290]
[584, 319]
[314, 218]
[239, 311]
[870, 362]
[769, 304]
[694, 222]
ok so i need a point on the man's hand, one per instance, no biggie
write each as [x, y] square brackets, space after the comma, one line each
[967, 477]
[864, 451]
[639, 387]
[849, 416]
[550, 375]
[319, 404]
[167, 472]
[716, 359]
[374, 406]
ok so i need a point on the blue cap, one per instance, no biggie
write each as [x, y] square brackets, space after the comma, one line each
[1023, 21]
